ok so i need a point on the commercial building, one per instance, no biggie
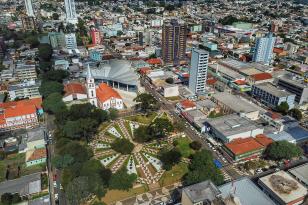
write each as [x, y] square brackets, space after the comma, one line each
[226, 102]
[70, 10]
[283, 188]
[247, 148]
[28, 22]
[169, 90]
[29, 8]
[56, 39]
[173, 42]
[230, 127]
[245, 192]
[295, 84]
[28, 89]
[70, 41]
[272, 96]
[202, 193]
[263, 51]
[198, 71]
[300, 173]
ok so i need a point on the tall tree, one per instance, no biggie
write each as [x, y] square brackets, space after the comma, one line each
[283, 150]
[45, 51]
[283, 108]
[49, 87]
[54, 104]
[296, 113]
[161, 127]
[147, 102]
[78, 190]
[121, 180]
[170, 158]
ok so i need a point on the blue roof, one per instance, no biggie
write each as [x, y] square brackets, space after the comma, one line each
[294, 135]
[217, 163]
[298, 133]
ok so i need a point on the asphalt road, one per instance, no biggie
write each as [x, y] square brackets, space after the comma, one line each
[190, 131]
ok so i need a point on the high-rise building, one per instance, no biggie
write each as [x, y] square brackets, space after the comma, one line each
[57, 40]
[95, 36]
[263, 51]
[28, 22]
[173, 42]
[198, 71]
[71, 16]
[70, 41]
[29, 8]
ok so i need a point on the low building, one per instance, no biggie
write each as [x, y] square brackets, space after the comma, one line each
[20, 114]
[35, 157]
[108, 98]
[294, 135]
[259, 78]
[278, 121]
[35, 139]
[202, 193]
[74, 91]
[245, 192]
[170, 90]
[193, 116]
[227, 103]
[300, 173]
[283, 188]
[271, 96]
[24, 186]
[230, 127]
[186, 105]
[244, 149]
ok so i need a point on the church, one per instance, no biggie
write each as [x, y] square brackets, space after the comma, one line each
[102, 96]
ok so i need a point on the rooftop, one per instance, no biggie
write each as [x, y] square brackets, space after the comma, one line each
[187, 104]
[241, 105]
[202, 191]
[104, 92]
[284, 186]
[272, 89]
[261, 76]
[74, 88]
[232, 124]
[294, 80]
[36, 154]
[241, 146]
[301, 173]
[246, 191]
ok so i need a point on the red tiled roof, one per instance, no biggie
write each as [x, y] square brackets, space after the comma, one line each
[278, 50]
[274, 115]
[104, 92]
[144, 70]
[243, 145]
[264, 140]
[154, 61]
[37, 154]
[211, 81]
[261, 76]
[188, 104]
[20, 108]
[74, 88]
[240, 82]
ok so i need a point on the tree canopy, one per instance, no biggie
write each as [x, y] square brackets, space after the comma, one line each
[123, 146]
[283, 108]
[56, 75]
[49, 87]
[45, 51]
[203, 168]
[53, 103]
[169, 158]
[195, 145]
[147, 102]
[296, 113]
[283, 150]
[121, 180]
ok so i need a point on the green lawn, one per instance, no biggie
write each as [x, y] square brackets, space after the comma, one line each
[174, 175]
[174, 98]
[117, 127]
[113, 196]
[183, 146]
[15, 160]
[145, 119]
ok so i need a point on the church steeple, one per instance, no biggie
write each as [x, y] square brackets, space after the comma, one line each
[91, 90]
